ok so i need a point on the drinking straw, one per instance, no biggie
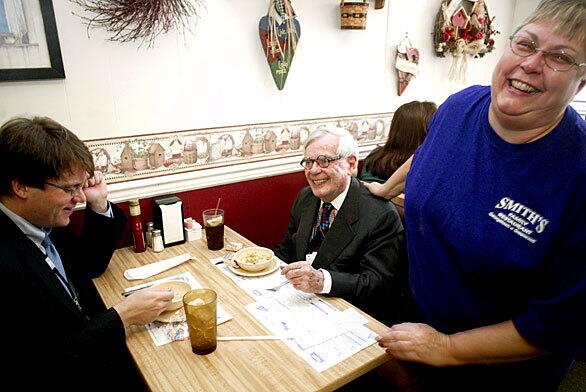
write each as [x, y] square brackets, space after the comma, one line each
[217, 205]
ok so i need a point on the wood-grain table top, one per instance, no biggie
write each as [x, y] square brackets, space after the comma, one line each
[235, 365]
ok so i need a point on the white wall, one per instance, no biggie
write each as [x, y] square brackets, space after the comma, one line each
[218, 75]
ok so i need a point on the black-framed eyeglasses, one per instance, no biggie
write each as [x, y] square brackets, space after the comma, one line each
[71, 190]
[323, 161]
[557, 60]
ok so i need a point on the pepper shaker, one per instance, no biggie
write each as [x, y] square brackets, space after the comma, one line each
[157, 241]
[148, 234]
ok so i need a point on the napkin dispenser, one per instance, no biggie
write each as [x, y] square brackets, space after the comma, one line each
[168, 216]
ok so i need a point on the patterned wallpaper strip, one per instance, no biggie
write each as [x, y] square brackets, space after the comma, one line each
[129, 158]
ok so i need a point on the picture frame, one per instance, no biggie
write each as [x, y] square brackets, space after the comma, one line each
[29, 43]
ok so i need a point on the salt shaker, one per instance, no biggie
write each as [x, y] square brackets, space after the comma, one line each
[148, 234]
[157, 241]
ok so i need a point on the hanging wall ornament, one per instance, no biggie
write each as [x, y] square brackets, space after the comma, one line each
[406, 63]
[139, 20]
[279, 33]
[463, 28]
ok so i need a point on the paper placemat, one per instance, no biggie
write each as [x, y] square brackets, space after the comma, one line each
[163, 333]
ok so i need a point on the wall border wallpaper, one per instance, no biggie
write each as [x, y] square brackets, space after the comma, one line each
[145, 156]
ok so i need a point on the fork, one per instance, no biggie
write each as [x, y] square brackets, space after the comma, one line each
[277, 287]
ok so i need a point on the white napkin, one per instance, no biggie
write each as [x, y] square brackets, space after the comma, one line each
[154, 268]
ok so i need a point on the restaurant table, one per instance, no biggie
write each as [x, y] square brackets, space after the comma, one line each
[268, 365]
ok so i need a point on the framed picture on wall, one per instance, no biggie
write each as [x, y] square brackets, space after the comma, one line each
[29, 44]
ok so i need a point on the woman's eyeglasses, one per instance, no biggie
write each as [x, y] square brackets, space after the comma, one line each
[557, 60]
[323, 161]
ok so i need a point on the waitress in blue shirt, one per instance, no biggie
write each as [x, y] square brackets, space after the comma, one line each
[495, 203]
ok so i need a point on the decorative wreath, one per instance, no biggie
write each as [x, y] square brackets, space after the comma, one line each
[142, 20]
[463, 27]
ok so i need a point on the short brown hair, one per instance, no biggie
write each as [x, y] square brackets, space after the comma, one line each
[408, 130]
[35, 150]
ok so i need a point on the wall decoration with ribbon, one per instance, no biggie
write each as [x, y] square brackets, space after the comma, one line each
[406, 63]
[463, 28]
[279, 32]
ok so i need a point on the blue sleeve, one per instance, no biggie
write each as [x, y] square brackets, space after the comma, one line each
[556, 317]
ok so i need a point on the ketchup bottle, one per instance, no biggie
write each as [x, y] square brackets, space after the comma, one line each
[136, 226]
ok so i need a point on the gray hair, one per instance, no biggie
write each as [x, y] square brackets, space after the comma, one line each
[567, 16]
[347, 146]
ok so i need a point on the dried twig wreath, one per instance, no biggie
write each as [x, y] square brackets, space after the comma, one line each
[143, 20]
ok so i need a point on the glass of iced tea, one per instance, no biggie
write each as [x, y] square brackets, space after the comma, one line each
[200, 310]
[213, 221]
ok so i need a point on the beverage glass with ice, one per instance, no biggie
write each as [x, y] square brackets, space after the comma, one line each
[200, 310]
[213, 221]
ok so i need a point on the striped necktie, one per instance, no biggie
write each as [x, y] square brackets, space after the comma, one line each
[322, 227]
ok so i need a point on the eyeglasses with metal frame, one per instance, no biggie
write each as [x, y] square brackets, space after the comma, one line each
[71, 190]
[557, 60]
[323, 161]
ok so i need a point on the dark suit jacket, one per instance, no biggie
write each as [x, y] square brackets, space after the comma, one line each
[50, 342]
[363, 249]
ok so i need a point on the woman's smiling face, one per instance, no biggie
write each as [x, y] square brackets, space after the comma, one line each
[526, 93]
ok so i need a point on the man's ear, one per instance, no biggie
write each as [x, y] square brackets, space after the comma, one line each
[353, 163]
[19, 189]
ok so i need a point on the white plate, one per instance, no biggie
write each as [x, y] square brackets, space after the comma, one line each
[271, 268]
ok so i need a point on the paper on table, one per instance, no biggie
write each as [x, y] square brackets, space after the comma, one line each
[340, 323]
[154, 268]
[163, 333]
[292, 317]
[291, 312]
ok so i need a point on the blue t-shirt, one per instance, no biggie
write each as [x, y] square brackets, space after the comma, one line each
[497, 231]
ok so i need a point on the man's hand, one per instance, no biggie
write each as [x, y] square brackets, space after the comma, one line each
[96, 193]
[304, 277]
[418, 343]
[144, 306]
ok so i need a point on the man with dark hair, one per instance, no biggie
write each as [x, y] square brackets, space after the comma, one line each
[66, 338]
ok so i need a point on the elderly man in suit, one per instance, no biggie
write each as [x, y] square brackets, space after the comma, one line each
[342, 241]
[56, 331]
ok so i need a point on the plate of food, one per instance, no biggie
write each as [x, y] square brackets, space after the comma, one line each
[179, 289]
[273, 266]
[172, 316]
[253, 261]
